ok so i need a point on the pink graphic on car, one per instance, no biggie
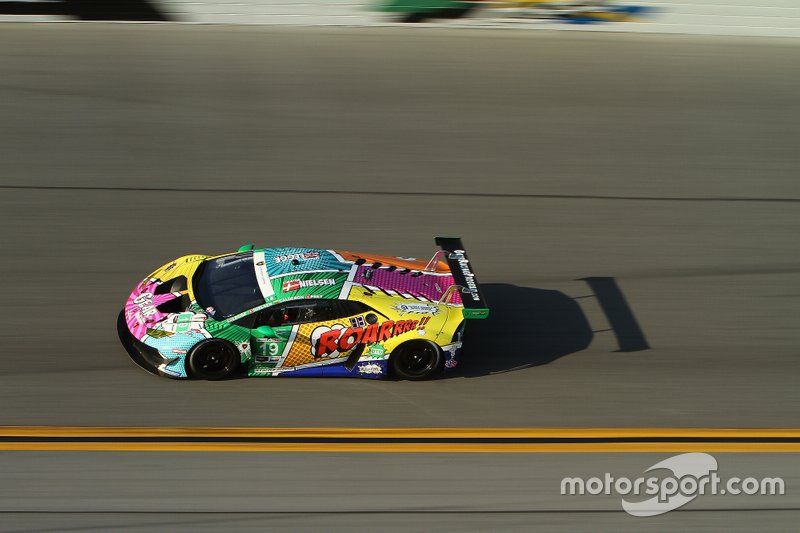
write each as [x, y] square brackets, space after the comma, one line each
[420, 283]
[141, 309]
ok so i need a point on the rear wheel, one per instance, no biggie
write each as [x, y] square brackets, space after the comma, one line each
[416, 360]
[212, 359]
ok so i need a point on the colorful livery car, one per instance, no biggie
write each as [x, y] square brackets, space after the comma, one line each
[303, 312]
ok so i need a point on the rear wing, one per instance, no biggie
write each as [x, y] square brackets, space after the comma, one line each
[452, 250]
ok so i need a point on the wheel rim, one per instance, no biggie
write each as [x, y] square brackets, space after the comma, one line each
[213, 360]
[418, 361]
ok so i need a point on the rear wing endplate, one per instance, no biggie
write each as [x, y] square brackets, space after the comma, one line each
[453, 252]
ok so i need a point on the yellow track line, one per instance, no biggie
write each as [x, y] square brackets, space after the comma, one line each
[35, 438]
[378, 447]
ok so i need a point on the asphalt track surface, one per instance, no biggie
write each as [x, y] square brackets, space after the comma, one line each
[664, 167]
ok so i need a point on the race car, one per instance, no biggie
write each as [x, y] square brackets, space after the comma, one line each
[303, 312]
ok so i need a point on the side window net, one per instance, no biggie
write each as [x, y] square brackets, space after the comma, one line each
[301, 312]
[308, 311]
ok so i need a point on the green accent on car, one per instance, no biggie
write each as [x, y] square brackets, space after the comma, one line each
[245, 248]
[420, 6]
[376, 351]
[324, 285]
[183, 323]
[475, 313]
[227, 331]
[264, 331]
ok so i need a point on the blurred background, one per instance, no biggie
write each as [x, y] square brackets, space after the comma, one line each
[717, 17]
[630, 203]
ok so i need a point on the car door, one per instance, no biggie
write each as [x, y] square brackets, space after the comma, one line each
[277, 347]
[274, 331]
[298, 326]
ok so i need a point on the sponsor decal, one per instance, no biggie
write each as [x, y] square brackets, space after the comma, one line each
[262, 276]
[331, 341]
[178, 351]
[145, 303]
[358, 322]
[416, 308]
[295, 297]
[376, 351]
[370, 368]
[304, 256]
[297, 284]
[169, 267]
[469, 277]
[450, 363]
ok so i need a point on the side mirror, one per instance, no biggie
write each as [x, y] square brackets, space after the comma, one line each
[245, 248]
[264, 331]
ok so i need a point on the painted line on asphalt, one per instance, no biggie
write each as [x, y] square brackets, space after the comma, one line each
[399, 440]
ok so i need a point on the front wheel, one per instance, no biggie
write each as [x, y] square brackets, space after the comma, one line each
[212, 359]
[416, 360]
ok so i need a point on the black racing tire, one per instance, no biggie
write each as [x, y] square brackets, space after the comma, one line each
[212, 359]
[416, 360]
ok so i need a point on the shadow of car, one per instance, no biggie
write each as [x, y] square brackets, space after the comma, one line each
[527, 327]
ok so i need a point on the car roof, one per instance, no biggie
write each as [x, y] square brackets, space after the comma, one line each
[296, 273]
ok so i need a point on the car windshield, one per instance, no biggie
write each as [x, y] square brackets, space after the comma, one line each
[226, 286]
